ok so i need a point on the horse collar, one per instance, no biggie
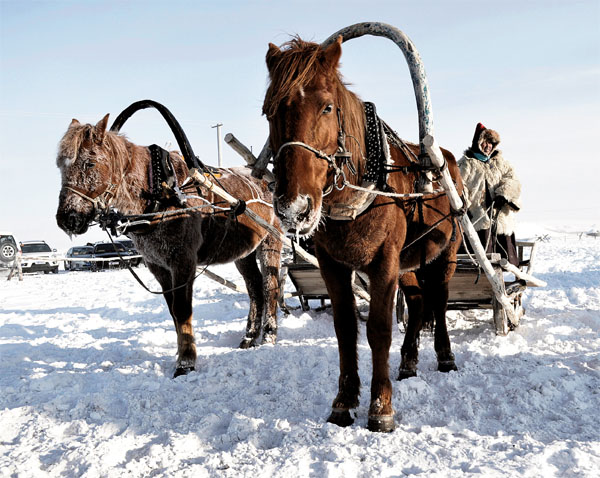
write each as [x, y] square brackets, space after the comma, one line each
[161, 176]
[378, 153]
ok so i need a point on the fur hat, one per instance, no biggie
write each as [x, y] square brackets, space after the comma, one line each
[484, 134]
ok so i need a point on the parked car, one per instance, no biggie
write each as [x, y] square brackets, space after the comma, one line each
[110, 252]
[128, 243]
[79, 252]
[36, 256]
[8, 248]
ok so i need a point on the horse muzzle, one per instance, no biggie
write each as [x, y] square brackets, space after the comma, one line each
[74, 222]
[298, 215]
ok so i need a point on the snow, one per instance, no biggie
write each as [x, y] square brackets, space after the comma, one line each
[86, 388]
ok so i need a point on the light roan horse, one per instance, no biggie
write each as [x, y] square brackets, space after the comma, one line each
[308, 106]
[99, 167]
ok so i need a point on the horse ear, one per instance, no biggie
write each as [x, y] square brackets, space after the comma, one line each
[100, 128]
[74, 122]
[272, 55]
[331, 55]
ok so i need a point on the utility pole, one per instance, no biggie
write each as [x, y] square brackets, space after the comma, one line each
[218, 126]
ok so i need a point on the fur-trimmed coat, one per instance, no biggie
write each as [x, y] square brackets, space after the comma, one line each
[498, 176]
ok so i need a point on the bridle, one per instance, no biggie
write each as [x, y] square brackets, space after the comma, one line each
[336, 161]
[103, 200]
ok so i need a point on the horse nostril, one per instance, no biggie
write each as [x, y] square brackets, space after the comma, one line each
[72, 220]
[278, 203]
[307, 210]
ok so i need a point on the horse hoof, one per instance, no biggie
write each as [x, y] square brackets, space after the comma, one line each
[269, 339]
[340, 417]
[381, 423]
[402, 374]
[247, 343]
[182, 371]
[447, 366]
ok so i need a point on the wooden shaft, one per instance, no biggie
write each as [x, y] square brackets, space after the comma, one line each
[263, 160]
[496, 282]
[223, 281]
[456, 204]
[531, 281]
[259, 165]
[531, 258]
[239, 148]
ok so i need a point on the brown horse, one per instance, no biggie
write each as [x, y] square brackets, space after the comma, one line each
[311, 116]
[100, 167]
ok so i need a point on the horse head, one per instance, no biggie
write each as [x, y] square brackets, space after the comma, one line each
[88, 174]
[304, 104]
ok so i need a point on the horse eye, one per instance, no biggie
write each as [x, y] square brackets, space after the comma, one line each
[89, 165]
[328, 109]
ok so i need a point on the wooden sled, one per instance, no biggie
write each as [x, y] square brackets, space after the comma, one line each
[469, 288]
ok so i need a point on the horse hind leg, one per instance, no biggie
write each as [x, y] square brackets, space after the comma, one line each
[253, 279]
[415, 303]
[269, 255]
[439, 304]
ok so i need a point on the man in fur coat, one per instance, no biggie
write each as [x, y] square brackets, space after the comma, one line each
[492, 193]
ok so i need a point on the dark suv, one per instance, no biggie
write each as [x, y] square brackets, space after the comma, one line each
[128, 243]
[76, 258]
[109, 252]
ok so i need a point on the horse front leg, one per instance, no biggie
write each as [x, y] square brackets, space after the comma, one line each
[179, 301]
[253, 280]
[338, 279]
[269, 255]
[182, 315]
[383, 282]
[413, 294]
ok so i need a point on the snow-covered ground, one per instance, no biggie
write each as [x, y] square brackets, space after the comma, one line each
[86, 361]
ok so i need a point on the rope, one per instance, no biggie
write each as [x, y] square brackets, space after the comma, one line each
[431, 228]
[340, 173]
[137, 278]
[393, 195]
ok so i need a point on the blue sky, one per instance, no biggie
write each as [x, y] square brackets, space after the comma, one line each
[529, 69]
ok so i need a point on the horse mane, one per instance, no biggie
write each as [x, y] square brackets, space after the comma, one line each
[296, 66]
[81, 136]
[82, 140]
